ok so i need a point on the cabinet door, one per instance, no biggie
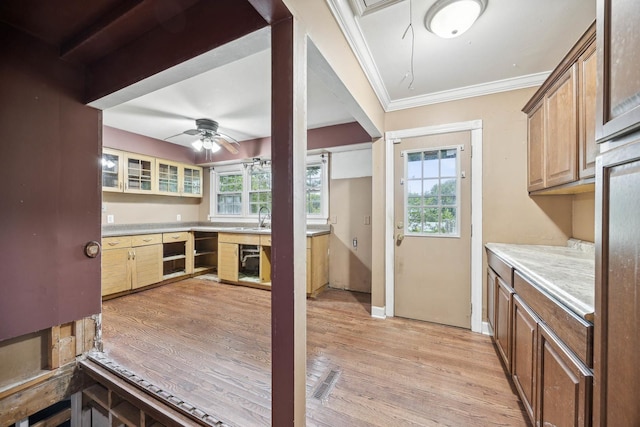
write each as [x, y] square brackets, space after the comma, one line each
[536, 136]
[147, 265]
[139, 173]
[617, 296]
[502, 334]
[192, 181]
[561, 142]
[588, 150]
[564, 384]
[168, 174]
[228, 261]
[525, 326]
[112, 161]
[116, 272]
[618, 106]
[491, 298]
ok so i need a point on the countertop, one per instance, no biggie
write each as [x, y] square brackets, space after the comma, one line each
[132, 229]
[566, 273]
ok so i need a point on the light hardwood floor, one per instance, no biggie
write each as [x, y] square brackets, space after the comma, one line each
[209, 344]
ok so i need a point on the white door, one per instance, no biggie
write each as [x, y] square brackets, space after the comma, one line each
[432, 226]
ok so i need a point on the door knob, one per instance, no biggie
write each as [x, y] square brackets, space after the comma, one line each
[399, 238]
[92, 249]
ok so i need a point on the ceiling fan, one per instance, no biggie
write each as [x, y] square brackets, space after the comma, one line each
[209, 138]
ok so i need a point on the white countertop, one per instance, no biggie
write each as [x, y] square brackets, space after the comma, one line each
[565, 273]
[133, 229]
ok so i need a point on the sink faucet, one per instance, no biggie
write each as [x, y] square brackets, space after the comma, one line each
[261, 220]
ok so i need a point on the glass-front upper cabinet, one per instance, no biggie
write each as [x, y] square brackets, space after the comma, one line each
[192, 181]
[112, 161]
[168, 174]
[139, 174]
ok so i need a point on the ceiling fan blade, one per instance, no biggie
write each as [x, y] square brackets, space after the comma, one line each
[192, 132]
[229, 146]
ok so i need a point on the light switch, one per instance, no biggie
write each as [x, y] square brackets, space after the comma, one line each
[333, 220]
[109, 219]
[178, 217]
[367, 220]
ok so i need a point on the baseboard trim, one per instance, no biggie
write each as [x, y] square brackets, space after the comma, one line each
[378, 312]
[486, 329]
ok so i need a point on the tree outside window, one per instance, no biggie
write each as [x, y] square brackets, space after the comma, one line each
[314, 190]
[259, 190]
[229, 194]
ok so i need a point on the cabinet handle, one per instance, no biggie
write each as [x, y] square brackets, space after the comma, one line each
[146, 240]
[128, 255]
[175, 237]
[133, 255]
[113, 243]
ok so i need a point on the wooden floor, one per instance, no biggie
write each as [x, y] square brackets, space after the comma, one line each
[209, 344]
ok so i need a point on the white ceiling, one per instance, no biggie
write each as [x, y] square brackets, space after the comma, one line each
[515, 43]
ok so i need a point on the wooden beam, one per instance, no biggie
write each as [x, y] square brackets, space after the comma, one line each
[288, 250]
[64, 382]
[271, 10]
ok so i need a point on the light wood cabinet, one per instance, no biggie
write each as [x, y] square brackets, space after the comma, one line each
[127, 172]
[130, 262]
[112, 167]
[491, 292]
[561, 141]
[178, 179]
[177, 254]
[235, 248]
[205, 251]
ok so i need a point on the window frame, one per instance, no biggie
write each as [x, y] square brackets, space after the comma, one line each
[245, 171]
[405, 197]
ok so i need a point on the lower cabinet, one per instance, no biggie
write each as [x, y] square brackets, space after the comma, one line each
[131, 262]
[228, 261]
[554, 384]
[564, 384]
[525, 335]
[503, 309]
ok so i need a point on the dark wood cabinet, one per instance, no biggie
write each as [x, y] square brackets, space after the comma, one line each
[503, 309]
[561, 125]
[491, 295]
[525, 335]
[587, 148]
[564, 384]
[617, 319]
[618, 103]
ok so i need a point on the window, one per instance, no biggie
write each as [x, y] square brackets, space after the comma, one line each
[431, 190]
[229, 194]
[239, 190]
[260, 190]
[314, 190]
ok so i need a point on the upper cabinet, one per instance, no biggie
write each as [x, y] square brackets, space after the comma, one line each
[618, 107]
[136, 173]
[561, 125]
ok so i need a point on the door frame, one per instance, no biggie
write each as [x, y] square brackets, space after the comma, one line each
[391, 137]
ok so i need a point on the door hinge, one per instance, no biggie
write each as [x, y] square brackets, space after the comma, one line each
[396, 140]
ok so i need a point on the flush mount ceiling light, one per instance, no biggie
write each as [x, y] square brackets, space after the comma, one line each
[450, 18]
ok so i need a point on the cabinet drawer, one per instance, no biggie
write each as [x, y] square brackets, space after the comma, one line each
[180, 236]
[240, 238]
[265, 240]
[146, 239]
[504, 270]
[116, 242]
[574, 331]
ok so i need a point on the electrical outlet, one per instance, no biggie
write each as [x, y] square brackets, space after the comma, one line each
[333, 220]
[178, 217]
[110, 219]
[367, 220]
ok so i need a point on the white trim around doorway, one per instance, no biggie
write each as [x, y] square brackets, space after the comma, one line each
[475, 127]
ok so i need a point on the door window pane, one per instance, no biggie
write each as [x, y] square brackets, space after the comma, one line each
[431, 192]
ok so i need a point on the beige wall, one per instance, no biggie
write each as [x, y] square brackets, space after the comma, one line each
[584, 210]
[143, 208]
[509, 214]
[350, 203]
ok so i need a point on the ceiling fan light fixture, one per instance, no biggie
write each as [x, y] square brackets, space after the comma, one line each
[208, 143]
[197, 145]
[451, 18]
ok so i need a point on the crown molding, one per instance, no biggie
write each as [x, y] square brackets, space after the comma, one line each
[353, 33]
[497, 86]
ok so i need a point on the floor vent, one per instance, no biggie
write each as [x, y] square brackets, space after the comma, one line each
[325, 387]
